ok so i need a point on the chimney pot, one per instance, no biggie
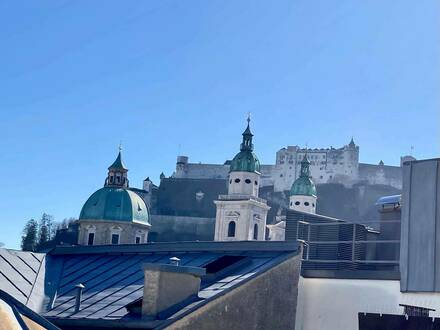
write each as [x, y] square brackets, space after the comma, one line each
[175, 261]
[79, 288]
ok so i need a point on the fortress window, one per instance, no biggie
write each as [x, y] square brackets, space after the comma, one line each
[297, 203]
[247, 181]
[231, 229]
[237, 180]
[306, 203]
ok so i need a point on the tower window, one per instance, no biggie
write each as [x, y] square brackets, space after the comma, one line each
[297, 203]
[256, 182]
[231, 229]
[255, 232]
[137, 240]
[230, 181]
[115, 239]
[306, 203]
[90, 238]
[247, 181]
[237, 180]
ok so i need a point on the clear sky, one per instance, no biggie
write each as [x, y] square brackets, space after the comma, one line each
[77, 77]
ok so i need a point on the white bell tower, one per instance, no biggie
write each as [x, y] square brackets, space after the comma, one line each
[241, 214]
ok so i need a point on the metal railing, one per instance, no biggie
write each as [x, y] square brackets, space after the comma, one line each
[342, 245]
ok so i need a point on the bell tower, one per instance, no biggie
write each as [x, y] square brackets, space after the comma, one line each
[241, 214]
[303, 192]
[117, 173]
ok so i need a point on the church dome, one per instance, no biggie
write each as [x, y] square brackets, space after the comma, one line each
[115, 204]
[303, 186]
[245, 161]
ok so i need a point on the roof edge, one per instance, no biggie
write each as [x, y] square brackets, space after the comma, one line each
[289, 246]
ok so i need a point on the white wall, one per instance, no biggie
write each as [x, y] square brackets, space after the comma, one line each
[334, 304]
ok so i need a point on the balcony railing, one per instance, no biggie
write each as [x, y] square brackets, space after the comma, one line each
[342, 245]
[239, 197]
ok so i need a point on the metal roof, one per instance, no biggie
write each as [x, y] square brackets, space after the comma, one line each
[18, 272]
[113, 276]
[394, 199]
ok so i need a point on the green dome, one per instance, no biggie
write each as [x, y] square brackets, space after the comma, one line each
[245, 161]
[118, 204]
[303, 186]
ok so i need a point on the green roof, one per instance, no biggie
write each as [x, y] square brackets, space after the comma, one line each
[118, 164]
[245, 161]
[304, 185]
[117, 204]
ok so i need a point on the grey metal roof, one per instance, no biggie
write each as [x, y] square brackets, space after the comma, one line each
[18, 272]
[113, 275]
[394, 199]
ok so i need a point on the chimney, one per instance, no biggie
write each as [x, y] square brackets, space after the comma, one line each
[168, 284]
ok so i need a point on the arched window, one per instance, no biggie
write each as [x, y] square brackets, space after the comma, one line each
[231, 229]
[255, 232]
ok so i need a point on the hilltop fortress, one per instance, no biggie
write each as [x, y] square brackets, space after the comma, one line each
[327, 165]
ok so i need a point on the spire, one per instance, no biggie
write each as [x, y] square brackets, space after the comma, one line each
[117, 172]
[247, 137]
[352, 144]
[305, 167]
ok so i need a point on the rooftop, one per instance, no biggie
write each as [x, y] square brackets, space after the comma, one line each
[113, 277]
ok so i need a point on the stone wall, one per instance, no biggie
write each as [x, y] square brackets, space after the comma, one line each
[268, 301]
[168, 228]
[328, 165]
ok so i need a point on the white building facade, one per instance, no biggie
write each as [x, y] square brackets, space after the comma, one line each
[241, 214]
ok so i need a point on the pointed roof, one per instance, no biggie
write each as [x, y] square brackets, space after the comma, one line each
[304, 185]
[352, 144]
[305, 160]
[118, 164]
[247, 131]
[245, 160]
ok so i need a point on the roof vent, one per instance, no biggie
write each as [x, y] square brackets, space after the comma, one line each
[79, 289]
[175, 261]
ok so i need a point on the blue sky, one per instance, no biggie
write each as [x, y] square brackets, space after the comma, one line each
[77, 77]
